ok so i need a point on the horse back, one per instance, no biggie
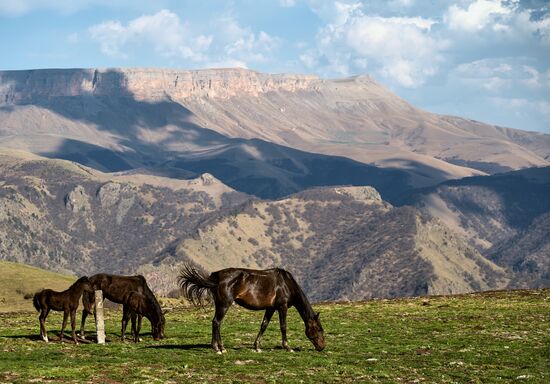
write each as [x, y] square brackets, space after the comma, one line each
[254, 289]
[115, 288]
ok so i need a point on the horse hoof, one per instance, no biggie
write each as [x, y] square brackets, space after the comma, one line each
[258, 350]
[218, 352]
[45, 339]
[223, 350]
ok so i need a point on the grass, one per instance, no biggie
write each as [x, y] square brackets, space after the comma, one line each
[20, 280]
[494, 337]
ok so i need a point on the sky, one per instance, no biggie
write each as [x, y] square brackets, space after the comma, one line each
[487, 60]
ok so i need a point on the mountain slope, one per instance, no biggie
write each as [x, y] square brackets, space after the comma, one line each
[341, 243]
[527, 254]
[120, 119]
[64, 217]
[503, 216]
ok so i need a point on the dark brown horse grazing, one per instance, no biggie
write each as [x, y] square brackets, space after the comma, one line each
[138, 304]
[117, 288]
[270, 289]
[66, 301]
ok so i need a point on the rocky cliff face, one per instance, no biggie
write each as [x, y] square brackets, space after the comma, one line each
[145, 84]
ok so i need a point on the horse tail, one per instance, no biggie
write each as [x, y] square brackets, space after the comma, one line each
[195, 284]
[36, 301]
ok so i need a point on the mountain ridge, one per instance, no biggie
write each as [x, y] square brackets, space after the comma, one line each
[355, 117]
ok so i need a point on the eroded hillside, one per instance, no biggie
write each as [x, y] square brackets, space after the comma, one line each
[341, 243]
[64, 217]
[503, 216]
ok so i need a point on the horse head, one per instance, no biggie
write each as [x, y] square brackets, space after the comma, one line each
[157, 319]
[85, 284]
[315, 333]
[157, 331]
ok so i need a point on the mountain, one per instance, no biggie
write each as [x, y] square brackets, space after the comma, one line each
[340, 242]
[266, 135]
[125, 170]
[65, 217]
[503, 216]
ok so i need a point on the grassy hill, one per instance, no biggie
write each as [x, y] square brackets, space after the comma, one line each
[20, 280]
[492, 337]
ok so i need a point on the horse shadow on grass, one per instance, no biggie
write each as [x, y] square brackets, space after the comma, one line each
[187, 347]
[54, 339]
[33, 337]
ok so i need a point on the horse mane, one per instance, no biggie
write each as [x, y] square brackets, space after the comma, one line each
[302, 303]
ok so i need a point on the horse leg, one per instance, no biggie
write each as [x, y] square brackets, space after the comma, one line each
[85, 312]
[125, 315]
[65, 315]
[73, 325]
[84, 315]
[267, 317]
[138, 329]
[217, 343]
[282, 321]
[42, 318]
[135, 332]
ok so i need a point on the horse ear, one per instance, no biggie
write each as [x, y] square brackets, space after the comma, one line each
[316, 317]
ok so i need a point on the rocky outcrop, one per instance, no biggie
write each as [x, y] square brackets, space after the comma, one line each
[78, 200]
[365, 193]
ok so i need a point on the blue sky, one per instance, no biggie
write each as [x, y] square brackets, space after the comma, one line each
[487, 60]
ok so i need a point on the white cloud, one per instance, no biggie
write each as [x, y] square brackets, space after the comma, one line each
[510, 74]
[523, 107]
[523, 24]
[476, 16]
[227, 63]
[504, 18]
[400, 49]
[287, 3]
[242, 44]
[163, 32]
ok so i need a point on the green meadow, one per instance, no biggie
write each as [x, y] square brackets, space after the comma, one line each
[493, 337]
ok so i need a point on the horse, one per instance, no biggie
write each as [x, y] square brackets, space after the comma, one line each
[116, 288]
[270, 290]
[138, 304]
[66, 301]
